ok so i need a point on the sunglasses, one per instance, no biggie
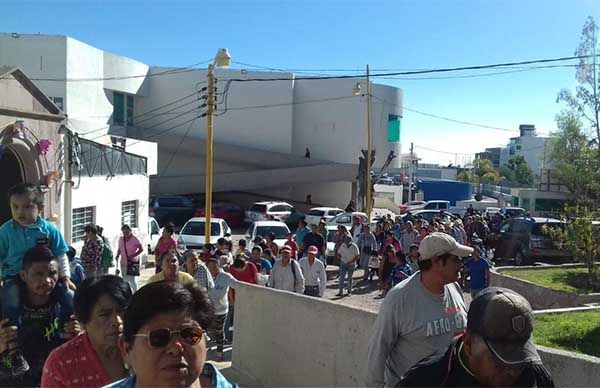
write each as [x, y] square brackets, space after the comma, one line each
[160, 338]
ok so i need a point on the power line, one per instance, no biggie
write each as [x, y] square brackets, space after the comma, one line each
[178, 146]
[443, 152]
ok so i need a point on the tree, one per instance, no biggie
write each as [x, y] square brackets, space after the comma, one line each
[484, 171]
[585, 101]
[520, 170]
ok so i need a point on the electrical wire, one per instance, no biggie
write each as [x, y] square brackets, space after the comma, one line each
[178, 147]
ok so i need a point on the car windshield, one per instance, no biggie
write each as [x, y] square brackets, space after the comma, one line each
[331, 235]
[280, 232]
[313, 212]
[196, 228]
[538, 228]
[515, 212]
[259, 208]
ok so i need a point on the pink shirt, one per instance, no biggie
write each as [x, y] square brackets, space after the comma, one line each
[128, 248]
[74, 364]
[163, 246]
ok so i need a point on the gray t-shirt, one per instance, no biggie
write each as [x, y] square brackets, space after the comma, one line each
[412, 324]
[218, 294]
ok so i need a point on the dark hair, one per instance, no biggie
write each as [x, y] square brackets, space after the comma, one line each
[400, 256]
[267, 252]
[33, 192]
[71, 253]
[302, 221]
[242, 242]
[389, 248]
[413, 247]
[257, 248]
[221, 241]
[92, 289]
[239, 262]
[271, 235]
[169, 228]
[165, 297]
[125, 227]
[38, 254]
[100, 230]
[90, 228]
[425, 265]
[229, 244]
[209, 246]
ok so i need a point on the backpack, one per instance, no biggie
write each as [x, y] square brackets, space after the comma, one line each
[107, 255]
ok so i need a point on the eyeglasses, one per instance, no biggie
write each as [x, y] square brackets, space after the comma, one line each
[160, 338]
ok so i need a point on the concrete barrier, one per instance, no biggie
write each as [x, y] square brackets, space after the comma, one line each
[541, 297]
[288, 340]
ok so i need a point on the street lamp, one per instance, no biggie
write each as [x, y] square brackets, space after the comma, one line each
[223, 59]
[357, 92]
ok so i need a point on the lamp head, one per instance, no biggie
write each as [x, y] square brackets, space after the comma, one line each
[223, 59]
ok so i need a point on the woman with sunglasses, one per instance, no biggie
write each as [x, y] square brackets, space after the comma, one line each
[163, 340]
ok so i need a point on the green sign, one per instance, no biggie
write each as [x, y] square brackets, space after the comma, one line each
[393, 128]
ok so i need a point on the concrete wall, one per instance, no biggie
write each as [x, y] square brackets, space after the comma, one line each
[288, 340]
[106, 196]
[541, 297]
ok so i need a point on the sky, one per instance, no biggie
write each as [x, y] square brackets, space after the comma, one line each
[331, 34]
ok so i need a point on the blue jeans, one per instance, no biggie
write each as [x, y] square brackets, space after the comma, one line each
[346, 269]
[12, 303]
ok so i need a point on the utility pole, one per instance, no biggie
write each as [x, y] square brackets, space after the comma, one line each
[369, 207]
[68, 194]
[410, 172]
[210, 109]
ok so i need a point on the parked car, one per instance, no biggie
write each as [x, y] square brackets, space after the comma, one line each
[314, 215]
[330, 238]
[491, 211]
[154, 233]
[293, 219]
[405, 206]
[512, 212]
[346, 219]
[263, 228]
[429, 215]
[523, 239]
[266, 210]
[171, 208]
[192, 234]
[230, 212]
[385, 181]
[431, 205]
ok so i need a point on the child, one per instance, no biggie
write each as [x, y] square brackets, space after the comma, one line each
[401, 270]
[77, 272]
[26, 230]
[373, 265]
[413, 258]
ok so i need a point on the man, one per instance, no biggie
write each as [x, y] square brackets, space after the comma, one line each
[316, 239]
[495, 351]
[263, 265]
[219, 298]
[43, 319]
[367, 244]
[356, 229]
[286, 274]
[315, 278]
[479, 271]
[349, 254]
[259, 241]
[408, 237]
[421, 315]
[289, 242]
[242, 249]
[301, 232]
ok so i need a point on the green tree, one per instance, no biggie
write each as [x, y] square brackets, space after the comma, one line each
[585, 101]
[507, 173]
[484, 171]
[520, 170]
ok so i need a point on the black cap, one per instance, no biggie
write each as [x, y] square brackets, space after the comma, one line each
[504, 319]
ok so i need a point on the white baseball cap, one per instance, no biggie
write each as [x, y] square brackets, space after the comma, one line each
[438, 244]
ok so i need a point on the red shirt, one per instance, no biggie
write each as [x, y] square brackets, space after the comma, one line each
[74, 364]
[248, 275]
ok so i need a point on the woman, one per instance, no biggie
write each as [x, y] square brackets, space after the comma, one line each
[163, 340]
[91, 253]
[197, 270]
[245, 271]
[129, 252]
[391, 241]
[272, 245]
[170, 270]
[164, 243]
[379, 235]
[92, 359]
[385, 269]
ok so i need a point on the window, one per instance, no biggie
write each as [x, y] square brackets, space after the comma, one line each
[129, 213]
[518, 148]
[318, 213]
[196, 228]
[129, 110]
[58, 101]
[118, 111]
[81, 217]
[393, 129]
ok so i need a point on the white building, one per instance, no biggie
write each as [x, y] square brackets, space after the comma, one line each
[35, 144]
[260, 140]
[528, 145]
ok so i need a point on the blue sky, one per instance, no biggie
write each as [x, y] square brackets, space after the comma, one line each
[348, 34]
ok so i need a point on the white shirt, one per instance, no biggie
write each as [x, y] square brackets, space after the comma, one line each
[314, 275]
[284, 278]
[348, 253]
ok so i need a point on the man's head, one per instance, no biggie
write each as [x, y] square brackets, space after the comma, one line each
[207, 248]
[314, 229]
[302, 224]
[40, 271]
[313, 251]
[356, 220]
[414, 251]
[476, 253]
[409, 226]
[26, 203]
[497, 345]
[271, 237]
[213, 266]
[441, 255]
[221, 243]
[268, 254]
[347, 240]
[285, 253]
[258, 240]
[242, 244]
[256, 253]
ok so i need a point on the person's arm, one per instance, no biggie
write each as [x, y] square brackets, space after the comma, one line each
[118, 251]
[299, 284]
[487, 274]
[322, 282]
[138, 249]
[383, 338]
[271, 281]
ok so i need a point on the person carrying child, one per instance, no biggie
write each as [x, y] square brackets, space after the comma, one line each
[26, 230]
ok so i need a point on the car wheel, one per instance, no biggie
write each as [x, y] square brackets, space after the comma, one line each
[520, 258]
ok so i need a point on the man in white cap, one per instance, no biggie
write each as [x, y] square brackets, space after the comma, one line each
[421, 315]
[315, 278]
[286, 273]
